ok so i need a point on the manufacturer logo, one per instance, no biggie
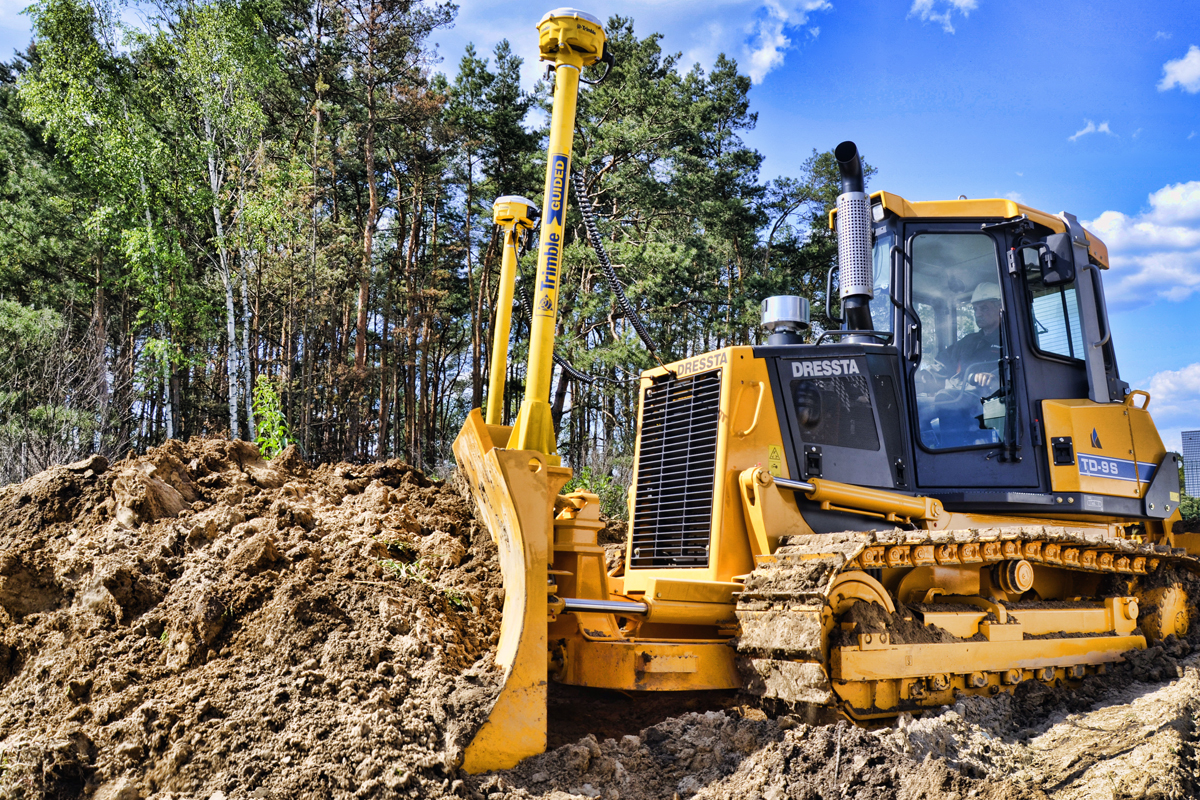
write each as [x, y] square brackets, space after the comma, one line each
[824, 368]
[558, 189]
[1096, 440]
[702, 364]
[547, 288]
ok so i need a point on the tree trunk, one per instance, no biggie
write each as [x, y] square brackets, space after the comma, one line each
[100, 334]
[364, 281]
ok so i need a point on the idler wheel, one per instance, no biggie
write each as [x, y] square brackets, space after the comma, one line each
[1015, 577]
[1165, 611]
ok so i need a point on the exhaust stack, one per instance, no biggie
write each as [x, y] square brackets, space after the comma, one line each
[855, 269]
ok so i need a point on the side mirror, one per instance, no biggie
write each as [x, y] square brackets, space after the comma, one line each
[1058, 260]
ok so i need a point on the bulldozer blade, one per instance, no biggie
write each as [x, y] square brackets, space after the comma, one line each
[514, 492]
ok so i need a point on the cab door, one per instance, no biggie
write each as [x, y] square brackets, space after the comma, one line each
[965, 390]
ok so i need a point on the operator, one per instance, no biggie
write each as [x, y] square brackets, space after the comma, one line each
[972, 361]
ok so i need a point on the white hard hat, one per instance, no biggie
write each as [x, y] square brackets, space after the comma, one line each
[986, 291]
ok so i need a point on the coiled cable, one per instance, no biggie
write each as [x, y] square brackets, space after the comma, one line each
[610, 274]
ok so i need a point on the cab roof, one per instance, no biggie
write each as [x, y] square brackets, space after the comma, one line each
[993, 208]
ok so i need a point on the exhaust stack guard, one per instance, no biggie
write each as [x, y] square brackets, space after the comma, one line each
[856, 271]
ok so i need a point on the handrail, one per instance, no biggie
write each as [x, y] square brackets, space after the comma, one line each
[885, 336]
[1098, 290]
[829, 294]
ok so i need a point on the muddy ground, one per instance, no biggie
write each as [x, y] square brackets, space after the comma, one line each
[200, 623]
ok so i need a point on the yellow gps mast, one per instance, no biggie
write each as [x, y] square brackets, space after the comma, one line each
[515, 215]
[571, 40]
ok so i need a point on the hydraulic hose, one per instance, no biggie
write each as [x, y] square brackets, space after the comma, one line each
[610, 274]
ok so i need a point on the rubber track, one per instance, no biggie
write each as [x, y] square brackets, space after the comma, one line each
[780, 611]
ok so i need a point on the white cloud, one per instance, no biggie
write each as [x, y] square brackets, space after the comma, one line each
[1192, 135]
[758, 33]
[767, 39]
[1182, 72]
[928, 11]
[1016, 197]
[1091, 127]
[1175, 402]
[1162, 35]
[1155, 254]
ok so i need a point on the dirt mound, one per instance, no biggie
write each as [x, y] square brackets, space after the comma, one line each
[201, 622]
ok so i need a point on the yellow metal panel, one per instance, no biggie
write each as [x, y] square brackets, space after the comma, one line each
[1147, 444]
[768, 513]
[914, 661]
[651, 666]
[1087, 423]
[681, 602]
[692, 591]
[747, 431]
[1097, 249]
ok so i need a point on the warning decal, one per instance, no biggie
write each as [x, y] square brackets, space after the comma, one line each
[775, 460]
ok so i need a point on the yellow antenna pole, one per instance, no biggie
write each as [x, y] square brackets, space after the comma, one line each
[514, 215]
[571, 40]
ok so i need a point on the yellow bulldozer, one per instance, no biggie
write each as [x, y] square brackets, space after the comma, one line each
[951, 494]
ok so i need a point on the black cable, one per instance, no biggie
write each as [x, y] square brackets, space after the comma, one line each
[562, 362]
[606, 58]
[610, 274]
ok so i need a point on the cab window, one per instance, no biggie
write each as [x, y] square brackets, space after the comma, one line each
[956, 292]
[881, 303]
[1055, 312]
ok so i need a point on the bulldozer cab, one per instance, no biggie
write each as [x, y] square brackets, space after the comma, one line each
[988, 321]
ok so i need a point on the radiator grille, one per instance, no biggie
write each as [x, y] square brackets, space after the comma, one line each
[677, 460]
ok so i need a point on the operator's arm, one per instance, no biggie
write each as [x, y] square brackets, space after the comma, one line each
[982, 362]
[934, 372]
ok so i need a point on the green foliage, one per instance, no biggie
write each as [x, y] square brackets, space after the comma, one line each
[46, 397]
[611, 493]
[415, 571]
[1189, 507]
[273, 436]
[409, 570]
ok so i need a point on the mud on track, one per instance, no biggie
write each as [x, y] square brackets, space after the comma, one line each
[199, 623]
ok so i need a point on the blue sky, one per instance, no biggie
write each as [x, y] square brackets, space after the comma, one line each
[1088, 107]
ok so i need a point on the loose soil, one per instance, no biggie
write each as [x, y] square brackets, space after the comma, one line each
[201, 623]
